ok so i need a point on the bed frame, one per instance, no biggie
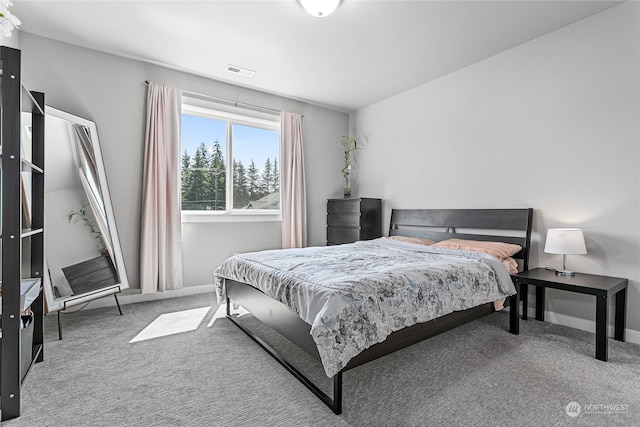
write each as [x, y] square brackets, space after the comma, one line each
[504, 225]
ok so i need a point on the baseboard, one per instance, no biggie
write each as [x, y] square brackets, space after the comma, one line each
[582, 324]
[132, 296]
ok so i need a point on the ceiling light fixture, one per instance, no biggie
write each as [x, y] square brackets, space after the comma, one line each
[320, 8]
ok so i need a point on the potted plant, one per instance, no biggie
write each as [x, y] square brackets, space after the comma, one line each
[350, 144]
[81, 217]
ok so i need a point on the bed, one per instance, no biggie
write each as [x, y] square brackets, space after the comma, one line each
[285, 309]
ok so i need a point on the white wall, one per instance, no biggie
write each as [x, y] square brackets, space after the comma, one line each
[13, 41]
[552, 124]
[110, 90]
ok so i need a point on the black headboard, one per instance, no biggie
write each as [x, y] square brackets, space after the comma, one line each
[495, 225]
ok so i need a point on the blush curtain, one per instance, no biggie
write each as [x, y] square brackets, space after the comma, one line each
[160, 237]
[294, 201]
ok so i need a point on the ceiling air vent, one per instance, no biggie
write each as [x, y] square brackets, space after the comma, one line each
[240, 71]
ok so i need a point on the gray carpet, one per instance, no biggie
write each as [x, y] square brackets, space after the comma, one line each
[477, 374]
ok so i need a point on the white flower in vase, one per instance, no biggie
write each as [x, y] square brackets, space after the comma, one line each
[7, 21]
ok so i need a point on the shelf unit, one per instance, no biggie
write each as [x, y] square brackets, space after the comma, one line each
[21, 247]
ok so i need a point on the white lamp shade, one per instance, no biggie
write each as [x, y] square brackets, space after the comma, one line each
[565, 241]
[320, 8]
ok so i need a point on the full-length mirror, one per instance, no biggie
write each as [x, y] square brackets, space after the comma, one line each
[82, 249]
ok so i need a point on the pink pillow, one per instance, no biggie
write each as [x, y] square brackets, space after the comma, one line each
[499, 250]
[416, 240]
[511, 264]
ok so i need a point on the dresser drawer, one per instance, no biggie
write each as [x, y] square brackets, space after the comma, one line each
[343, 205]
[343, 220]
[336, 236]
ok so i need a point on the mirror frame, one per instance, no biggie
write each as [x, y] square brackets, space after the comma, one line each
[62, 303]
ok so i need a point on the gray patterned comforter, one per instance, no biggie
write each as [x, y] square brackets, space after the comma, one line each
[355, 295]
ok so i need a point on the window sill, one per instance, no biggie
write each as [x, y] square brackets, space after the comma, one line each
[198, 216]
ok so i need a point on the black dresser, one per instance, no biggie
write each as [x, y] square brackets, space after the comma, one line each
[354, 219]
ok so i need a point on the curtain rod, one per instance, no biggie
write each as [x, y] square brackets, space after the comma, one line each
[228, 101]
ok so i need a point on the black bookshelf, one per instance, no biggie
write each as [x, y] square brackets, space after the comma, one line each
[22, 233]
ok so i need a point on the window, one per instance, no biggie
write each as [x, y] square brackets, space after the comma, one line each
[230, 161]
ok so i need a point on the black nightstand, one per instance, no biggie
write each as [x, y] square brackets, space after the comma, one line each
[602, 287]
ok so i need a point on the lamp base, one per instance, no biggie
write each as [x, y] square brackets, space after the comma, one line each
[565, 273]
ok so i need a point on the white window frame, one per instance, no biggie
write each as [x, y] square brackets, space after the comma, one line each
[231, 115]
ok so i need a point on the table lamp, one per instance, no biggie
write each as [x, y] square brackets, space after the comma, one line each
[565, 241]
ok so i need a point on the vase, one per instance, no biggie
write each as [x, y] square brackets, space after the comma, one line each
[347, 182]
